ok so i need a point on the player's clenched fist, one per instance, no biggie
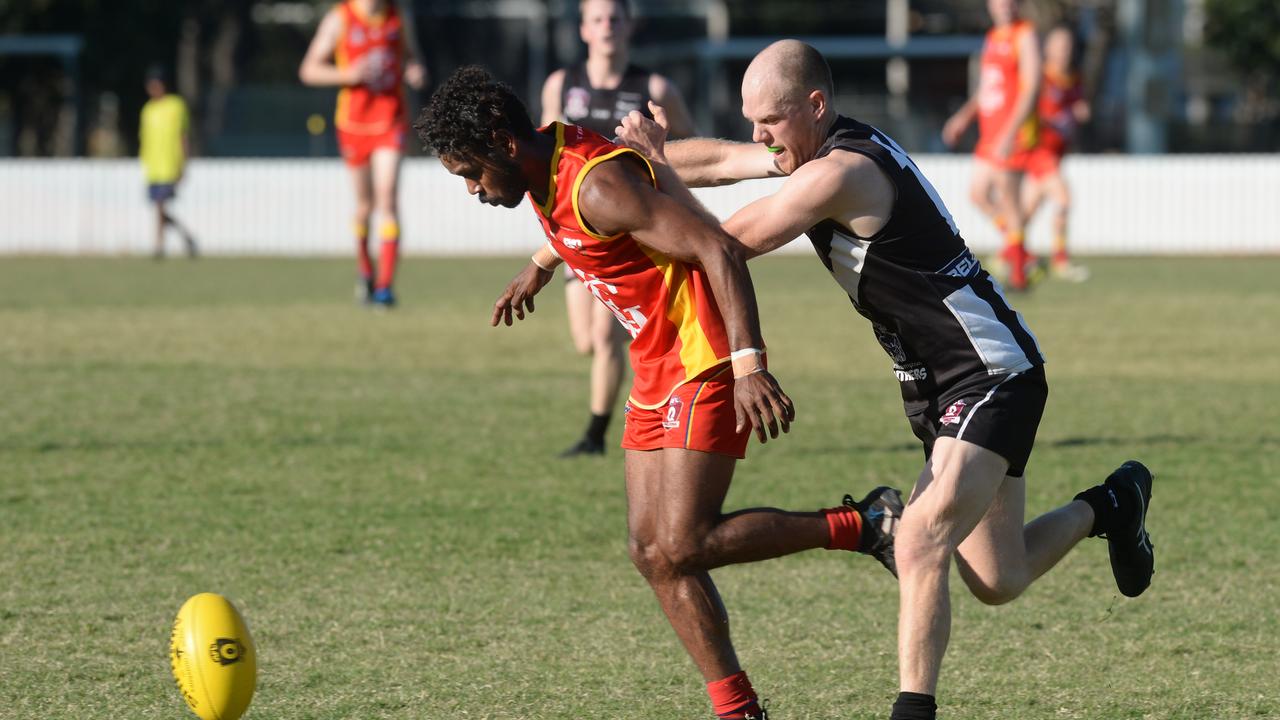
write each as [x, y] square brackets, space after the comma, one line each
[642, 134]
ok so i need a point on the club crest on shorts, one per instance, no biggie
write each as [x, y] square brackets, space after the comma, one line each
[672, 421]
[953, 413]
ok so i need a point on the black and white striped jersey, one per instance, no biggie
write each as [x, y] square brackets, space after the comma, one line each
[937, 313]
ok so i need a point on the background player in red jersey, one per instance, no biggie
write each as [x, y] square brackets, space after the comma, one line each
[1061, 109]
[680, 285]
[597, 94]
[366, 47]
[1005, 107]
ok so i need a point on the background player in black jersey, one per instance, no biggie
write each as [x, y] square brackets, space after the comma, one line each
[596, 94]
[971, 372]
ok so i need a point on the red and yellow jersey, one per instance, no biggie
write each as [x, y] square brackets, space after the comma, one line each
[666, 305]
[1059, 93]
[378, 105]
[1000, 82]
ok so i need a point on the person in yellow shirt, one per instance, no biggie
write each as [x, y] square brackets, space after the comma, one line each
[163, 149]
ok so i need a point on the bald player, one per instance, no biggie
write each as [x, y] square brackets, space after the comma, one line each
[970, 371]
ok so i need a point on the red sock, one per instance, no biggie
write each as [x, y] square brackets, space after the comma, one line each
[1017, 258]
[733, 698]
[845, 525]
[387, 255]
[363, 261]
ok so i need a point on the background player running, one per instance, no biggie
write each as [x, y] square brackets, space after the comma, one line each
[971, 373]
[1005, 107]
[163, 148]
[596, 94]
[680, 286]
[1061, 109]
[366, 47]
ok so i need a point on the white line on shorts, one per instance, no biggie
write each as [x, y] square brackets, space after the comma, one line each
[974, 411]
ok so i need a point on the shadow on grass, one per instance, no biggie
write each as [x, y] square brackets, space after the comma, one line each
[1066, 442]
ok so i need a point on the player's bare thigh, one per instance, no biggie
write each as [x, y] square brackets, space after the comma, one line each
[982, 184]
[384, 164]
[992, 560]
[1055, 186]
[1033, 191]
[606, 332]
[579, 304]
[674, 499]
[362, 182]
[956, 488]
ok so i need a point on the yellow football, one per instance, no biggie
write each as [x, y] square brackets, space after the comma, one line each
[213, 658]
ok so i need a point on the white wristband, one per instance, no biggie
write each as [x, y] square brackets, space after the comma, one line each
[747, 361]
[549, 257]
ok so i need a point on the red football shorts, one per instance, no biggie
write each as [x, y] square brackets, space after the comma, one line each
[986, 151]
[1039, 162]
[698, 416]
[356, 149]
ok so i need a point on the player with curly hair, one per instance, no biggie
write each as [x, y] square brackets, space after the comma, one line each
[679, 285]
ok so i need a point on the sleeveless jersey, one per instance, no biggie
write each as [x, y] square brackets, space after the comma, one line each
[666, 305]
[601, 110]
[1058, 93]
[999, 83]
[936, 312]
[377, 106]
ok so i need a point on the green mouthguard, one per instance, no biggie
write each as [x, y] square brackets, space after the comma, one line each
[773, 149]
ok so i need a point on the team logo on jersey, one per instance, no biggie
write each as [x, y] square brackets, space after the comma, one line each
[891, 343]
[672, 421]
[572, 243]
[577, 103]
[953, 413]
[357, 36]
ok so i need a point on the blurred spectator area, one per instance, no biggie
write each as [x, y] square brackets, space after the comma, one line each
[1163, 75]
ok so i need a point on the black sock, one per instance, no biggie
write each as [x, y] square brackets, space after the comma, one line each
[1107, 507]
[914, 706]
[596, 428]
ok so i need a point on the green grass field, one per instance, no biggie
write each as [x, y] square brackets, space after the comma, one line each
[379, 496]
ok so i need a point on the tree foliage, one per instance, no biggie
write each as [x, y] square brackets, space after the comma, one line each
[1248, 31]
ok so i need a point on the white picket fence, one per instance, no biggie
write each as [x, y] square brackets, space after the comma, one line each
[1123, 205]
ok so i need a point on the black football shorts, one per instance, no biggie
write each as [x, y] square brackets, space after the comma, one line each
[1000, 413]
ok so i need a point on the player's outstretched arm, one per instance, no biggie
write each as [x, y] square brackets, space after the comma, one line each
[318, 68]
[700, 162]
[518, 297]
[841, 186]
[617, 197]
[650, 140]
